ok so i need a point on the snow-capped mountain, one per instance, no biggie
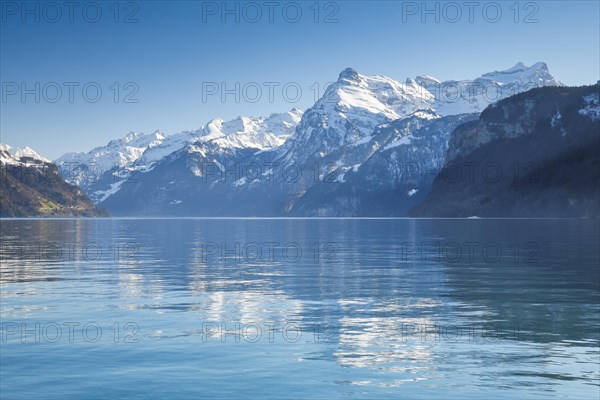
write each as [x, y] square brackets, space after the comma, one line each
[353, 106]
[349, 111]
[536, 74]
[263, 133]
[338, 129]
[117, 153]
[18, 156]
[348, 153]
[357, 137]
[101, 171]
[456, 97]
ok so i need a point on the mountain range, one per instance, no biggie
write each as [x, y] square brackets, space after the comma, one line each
[371, 146]
[354, 146]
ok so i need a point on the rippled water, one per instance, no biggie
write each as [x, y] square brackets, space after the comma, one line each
[197, 308]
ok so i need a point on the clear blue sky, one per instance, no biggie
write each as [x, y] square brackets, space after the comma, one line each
[177, 48]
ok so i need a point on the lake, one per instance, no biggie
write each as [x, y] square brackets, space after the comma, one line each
[299, 308]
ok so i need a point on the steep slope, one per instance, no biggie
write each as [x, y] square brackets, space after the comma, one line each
[392, 179]
[536, 154]
[30, 186]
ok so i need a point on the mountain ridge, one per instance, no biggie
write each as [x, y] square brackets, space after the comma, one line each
[543, 150]
[332, 140]
[359, 135]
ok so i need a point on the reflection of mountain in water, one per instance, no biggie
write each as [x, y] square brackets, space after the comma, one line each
[378, 306]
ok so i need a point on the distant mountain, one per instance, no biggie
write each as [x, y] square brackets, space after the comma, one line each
[536, 154]
[102, 170]
[467, 96]
[12, 155]
[31, 186]
[345, 156]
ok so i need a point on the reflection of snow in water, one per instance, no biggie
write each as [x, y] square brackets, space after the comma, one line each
[383, 343]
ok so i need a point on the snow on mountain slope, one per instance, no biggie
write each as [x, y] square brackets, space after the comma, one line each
[389, 180]
[355, 104]
[14, 155]
[537, 73]
[82, 168]
[336, 134]
[139, 152]
[167, 146]
[467, 96]
[350, 110]
[592, 106]
[253, 132]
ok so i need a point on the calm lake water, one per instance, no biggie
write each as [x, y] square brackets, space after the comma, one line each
[197, 308]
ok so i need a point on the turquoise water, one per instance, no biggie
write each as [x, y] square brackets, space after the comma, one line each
[325, 309]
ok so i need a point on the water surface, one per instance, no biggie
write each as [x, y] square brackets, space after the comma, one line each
[196, 308]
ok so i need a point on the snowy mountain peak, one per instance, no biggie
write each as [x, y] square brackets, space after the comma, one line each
[292, 115]
[540, 66]
[159, 134]
[131, 136]
[13, 155]
[236, 125]
[30, 153]
[349, 75]
[140, 152]
[517, 67]
[535, 75]
[277, 124]
[283, 124]
[426, 81]
[352, 107]
[213, 127]
[252, 132]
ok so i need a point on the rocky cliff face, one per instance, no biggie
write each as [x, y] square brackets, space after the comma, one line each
[392, 179]
[535, 154]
